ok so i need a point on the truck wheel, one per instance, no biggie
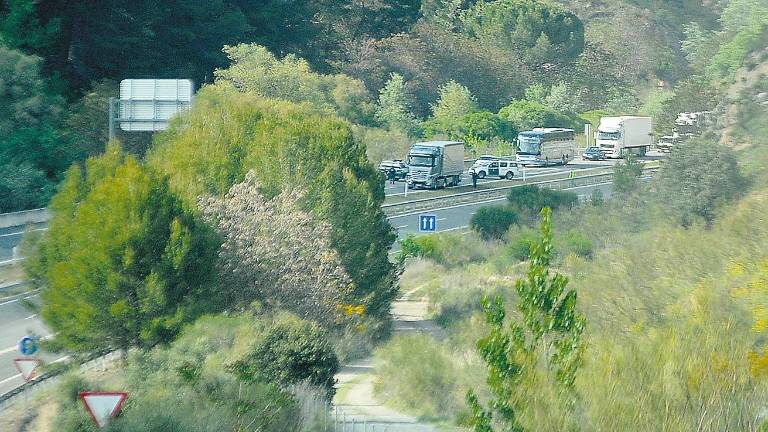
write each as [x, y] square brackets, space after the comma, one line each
[440, 183]
[565, 160]
[509, 175]
[481, 174]
[546, 162]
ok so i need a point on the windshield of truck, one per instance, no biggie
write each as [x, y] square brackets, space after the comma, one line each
[424, 161]
[613, 136]
[530, 145]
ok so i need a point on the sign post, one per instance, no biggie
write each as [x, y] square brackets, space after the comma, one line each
[427, 223]
[103, 406]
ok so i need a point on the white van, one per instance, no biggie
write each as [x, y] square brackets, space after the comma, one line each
[501, 168]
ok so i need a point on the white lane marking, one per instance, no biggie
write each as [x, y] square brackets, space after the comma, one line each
[401, 227]
[22, 232]
[9, 302]
[10, 378]
[7, 350]
[31, 316]
[455, 228]
[442, 219]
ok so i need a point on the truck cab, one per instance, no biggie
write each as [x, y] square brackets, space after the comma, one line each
[435, 164]
[619, 136]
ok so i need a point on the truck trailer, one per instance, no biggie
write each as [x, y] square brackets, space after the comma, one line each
[435, 164]
[618, 137]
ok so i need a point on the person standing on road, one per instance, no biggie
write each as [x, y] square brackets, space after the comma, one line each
[474, 179]
[391, 175]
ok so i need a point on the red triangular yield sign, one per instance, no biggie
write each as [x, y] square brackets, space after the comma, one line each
[27, 367]
[103, 406]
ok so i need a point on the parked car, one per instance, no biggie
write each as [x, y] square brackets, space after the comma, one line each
[495, 168]
[400, 167]
[593, 153]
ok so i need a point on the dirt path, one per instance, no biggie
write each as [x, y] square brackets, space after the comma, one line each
[355, 399]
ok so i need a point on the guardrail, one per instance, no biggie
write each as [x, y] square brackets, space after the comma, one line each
[396, 209]
[24, 217]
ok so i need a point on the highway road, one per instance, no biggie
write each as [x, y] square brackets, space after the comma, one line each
[399, 187]
[17, 320]
[11, 237]
[457, 217]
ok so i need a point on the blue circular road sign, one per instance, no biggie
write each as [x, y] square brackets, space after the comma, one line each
[27, 345]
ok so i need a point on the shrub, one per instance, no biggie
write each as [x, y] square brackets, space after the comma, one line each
[576, 243]
[290, 351]
[698, 177]
[520, 243]
[532, 199]
[493, 222]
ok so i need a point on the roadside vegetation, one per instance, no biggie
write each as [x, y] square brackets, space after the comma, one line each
[238, 258]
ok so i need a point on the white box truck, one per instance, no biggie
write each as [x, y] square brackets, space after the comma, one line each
[619, 136]
[435, 164]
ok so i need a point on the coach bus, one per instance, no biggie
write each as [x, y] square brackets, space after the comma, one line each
[545, 146]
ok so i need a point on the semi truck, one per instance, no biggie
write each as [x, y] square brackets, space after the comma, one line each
[435, 164]
[618, 137]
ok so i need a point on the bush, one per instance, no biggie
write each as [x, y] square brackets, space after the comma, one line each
[185, 386]
[520, 243]
[574, 242]
[290, 351]
[532, 199]
[492, 222]
[698, 178]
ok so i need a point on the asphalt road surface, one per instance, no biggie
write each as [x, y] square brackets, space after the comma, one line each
[17, 321]
[399, 187]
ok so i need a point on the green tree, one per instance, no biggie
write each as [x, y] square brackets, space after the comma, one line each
[698, 178]
[626, 175]
[531, 199]
[562, 99]
[255, 69]
[455, 102]
[526, 115]
[122, 264]
[536, 93]
[547, 335]
[394, 107]
[492, 222]
[228, 133]
[542, 31]
[89, 40]
[23, 186]
[290, 351]
[29, 115]
[276, 253]
[429, 56]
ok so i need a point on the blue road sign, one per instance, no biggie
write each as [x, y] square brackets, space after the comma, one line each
[427, 223]
[27, 345]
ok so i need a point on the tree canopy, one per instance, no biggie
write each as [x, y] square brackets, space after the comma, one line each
[123, 263]
[228, 133]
